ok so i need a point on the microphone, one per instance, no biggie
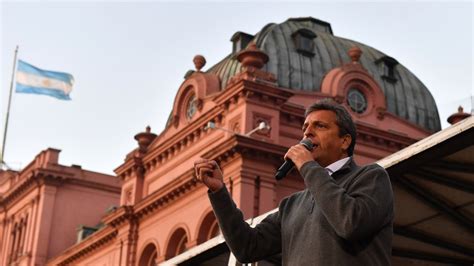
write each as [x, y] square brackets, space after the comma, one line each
[288, 164]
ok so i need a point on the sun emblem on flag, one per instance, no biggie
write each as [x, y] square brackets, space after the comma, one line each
[46, 83]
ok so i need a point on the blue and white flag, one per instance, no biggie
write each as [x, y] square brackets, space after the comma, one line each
[30, 79]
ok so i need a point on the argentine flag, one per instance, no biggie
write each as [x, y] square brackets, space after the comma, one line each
[30, 79]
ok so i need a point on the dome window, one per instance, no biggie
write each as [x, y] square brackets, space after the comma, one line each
[388, 68]
[304, 43]
[356, 101]
[240, 41]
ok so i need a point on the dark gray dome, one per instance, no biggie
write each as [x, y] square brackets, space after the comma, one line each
[405, 94]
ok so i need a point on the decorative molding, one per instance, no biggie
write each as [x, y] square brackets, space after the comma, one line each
[255, 75]
[257, 118]
[168, 194]
[121, 215]
[18, 191]
[338, 81]
[369, 135]
[45, 176]
[91, 244]
[232, 96]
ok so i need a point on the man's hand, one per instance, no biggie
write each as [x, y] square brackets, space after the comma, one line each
[299, 155]
[208, 172]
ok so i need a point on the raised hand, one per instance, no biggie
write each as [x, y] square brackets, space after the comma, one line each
[208, 172]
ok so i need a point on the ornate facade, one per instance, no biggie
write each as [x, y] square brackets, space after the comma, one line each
[47, 206]
[269, 77]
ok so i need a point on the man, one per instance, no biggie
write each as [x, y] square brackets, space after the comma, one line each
[343, 217]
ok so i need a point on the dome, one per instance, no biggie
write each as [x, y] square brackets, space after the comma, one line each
[319, 51]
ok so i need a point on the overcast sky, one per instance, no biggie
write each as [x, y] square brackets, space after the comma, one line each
[129, 59]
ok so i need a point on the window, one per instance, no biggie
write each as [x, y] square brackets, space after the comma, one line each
[18, 234]
[177, 243]
[356, 100]
[240, 41]
[191, 107]
[209, 228]
[182, 245]
[304, 43]
[14, 237]
[214, 231]
[149, 256]
[388, 65]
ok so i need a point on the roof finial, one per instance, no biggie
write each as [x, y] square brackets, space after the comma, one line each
[354, 53]
[252, 56]
[456, 117]
[144, 139]
[199, 62]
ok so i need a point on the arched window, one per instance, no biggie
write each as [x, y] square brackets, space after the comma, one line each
[182, 245]
[14, 237]
[177, 243]
[149, 256]
[214, 231]
[22, 240]
[20, 235]
[208, 229]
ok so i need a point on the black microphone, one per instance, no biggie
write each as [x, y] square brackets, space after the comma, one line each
[288, 164]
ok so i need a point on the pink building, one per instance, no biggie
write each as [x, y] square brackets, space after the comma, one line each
[268, 77]
[43, 206]
[244, 112]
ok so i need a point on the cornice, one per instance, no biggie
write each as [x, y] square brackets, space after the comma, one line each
[162, 197]
[93, 185]
[408, 122]
[253, 90]
[293, 109]
[245, 145]
[88, 245]
[35, 174]
[368, 134]
[237, 144]
[167, 194]
[243, 89]
[18, 190]
[52, 177]
[188, 135]
[119, 216]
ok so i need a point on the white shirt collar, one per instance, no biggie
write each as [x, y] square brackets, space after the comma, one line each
[337, 165]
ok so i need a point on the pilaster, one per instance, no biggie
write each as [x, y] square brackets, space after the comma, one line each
[43, 224]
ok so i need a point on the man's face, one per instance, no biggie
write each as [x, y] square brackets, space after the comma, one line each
[320, 126]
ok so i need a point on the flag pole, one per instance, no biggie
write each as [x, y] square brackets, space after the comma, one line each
[2, 155]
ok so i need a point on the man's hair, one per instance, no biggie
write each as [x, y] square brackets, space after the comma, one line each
[343, 119]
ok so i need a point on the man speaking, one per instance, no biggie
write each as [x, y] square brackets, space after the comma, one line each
[343, 217]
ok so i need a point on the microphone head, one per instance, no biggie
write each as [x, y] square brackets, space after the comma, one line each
[307, 143]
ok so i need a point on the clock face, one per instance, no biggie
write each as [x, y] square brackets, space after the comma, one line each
[356, 100]
[191, 107]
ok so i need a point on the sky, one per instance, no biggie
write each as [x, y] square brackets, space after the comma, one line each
[129, 59]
